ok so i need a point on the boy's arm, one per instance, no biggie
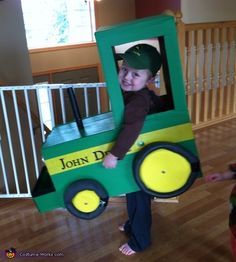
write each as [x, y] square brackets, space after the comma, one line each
[135, 113]
[226, 175]
[134, 117]
[125, 140]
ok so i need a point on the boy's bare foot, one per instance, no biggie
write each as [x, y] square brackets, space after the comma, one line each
[126, 250]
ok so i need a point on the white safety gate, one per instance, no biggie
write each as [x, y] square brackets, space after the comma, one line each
[27, 114]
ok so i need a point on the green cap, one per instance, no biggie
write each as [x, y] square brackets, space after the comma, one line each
[142, 56]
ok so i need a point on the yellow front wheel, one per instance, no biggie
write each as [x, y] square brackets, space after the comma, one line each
[85, 199]
[165, 169]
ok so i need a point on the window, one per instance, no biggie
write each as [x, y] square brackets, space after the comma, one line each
[58, 22]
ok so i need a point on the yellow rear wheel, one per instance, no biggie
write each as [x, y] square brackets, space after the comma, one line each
[165, 169]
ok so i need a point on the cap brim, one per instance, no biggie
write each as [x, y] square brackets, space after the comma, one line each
[128, 59]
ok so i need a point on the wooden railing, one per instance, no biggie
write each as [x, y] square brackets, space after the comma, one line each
[208, 52]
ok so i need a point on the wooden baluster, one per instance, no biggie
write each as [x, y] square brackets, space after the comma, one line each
[180, 26]
[201, 83]
[206, 74]
[197, 75]
[213, 92]
[221, 74]
[189, 91]
[228, 89]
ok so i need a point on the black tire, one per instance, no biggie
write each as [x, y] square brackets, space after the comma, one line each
[81, 186]
[191, 160]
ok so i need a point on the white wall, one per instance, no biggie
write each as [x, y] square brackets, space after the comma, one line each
[200, 11]
[14, 56]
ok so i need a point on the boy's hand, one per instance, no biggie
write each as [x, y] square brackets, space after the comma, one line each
[219, 176]
[213, 177]
[110, 161]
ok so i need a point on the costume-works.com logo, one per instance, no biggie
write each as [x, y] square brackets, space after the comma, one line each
[10, 253]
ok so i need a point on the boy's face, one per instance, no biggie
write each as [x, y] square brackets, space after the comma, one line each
[133, 79]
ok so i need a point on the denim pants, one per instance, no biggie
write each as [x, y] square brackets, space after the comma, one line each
[138, 226]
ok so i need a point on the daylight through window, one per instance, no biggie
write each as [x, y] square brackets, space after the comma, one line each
[58, 22]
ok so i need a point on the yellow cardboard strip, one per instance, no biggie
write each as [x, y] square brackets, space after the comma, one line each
[96, 154]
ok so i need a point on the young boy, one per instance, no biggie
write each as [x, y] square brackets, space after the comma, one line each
[140, 65]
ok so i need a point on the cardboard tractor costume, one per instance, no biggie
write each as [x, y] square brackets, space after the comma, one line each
[163, 161]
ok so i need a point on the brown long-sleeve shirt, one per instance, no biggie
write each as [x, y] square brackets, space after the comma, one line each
[137, 106]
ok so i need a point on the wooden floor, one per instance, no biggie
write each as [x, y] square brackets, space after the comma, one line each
[193, 230]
